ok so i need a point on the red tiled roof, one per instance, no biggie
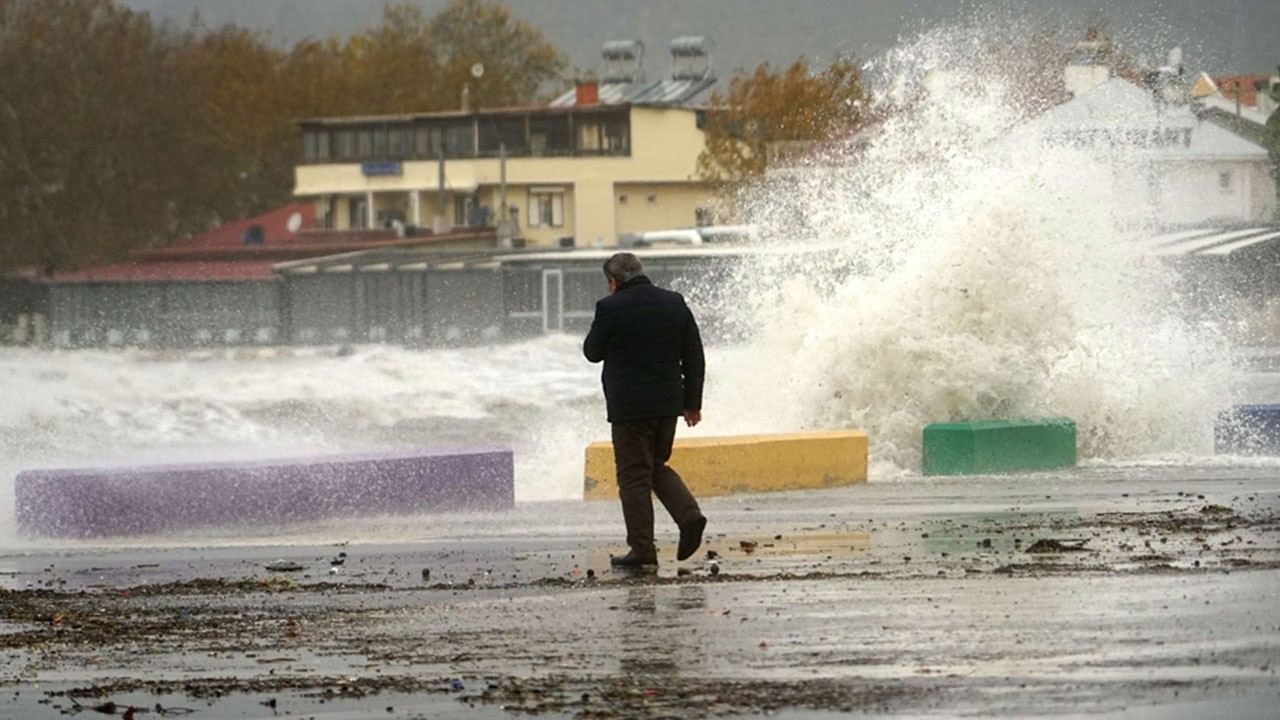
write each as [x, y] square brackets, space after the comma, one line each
[172, 271]
[1244, 85]
[221, 254]
[241, 262]
[274, 224]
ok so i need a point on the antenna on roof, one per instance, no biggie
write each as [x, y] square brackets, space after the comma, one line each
[691, 57]
[1165, 75]
[623, 60]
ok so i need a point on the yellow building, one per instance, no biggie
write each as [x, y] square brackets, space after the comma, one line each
[603, 160]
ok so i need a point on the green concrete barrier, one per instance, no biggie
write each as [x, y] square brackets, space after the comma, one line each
[999, 446]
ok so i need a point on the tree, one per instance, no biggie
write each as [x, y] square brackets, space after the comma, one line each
[767, 108]
[254, 95]
[95, 131]
[242, 122]
[517, 61]
[117, 133]
[393, 67]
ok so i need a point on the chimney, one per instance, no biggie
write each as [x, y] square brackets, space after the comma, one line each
[588, 93]
[1084, 70]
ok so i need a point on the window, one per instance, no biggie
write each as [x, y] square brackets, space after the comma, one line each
[589, 137]
[549, 136]
[462, 209]
[364, 144]
[460, 140]
[397, 143]
[346, 144]
[1224, 181]
[315, 145]
[507, 132]
[428, 142]
[609, 135]
[356, 213]
[546, 207]
[617, 137]
[327, 216]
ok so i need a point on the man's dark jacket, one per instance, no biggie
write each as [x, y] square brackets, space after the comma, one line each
[652, 352]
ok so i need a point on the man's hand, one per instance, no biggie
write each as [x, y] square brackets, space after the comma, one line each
[692, 417]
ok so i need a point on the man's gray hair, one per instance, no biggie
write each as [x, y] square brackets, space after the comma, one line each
[622, 267]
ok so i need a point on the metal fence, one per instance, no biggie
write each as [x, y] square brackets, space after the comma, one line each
[412, 299]
[164, 314]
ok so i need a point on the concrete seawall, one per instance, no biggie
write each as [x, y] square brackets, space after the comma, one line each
[747, 463]
[98, 502]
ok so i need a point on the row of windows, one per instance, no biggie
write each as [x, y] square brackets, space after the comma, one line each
[528, 136]
[546, 209]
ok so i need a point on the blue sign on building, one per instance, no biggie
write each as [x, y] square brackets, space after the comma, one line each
[380, 168]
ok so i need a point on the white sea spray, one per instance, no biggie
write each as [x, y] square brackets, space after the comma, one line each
[945, 266]
[940, 266]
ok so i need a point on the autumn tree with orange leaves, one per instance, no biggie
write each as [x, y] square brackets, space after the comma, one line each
[766, 109]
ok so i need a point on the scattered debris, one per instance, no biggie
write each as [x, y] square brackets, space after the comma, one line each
[1051, 545]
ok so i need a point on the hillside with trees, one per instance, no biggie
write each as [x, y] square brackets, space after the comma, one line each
[119, 132]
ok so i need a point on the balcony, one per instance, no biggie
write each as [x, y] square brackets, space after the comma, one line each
[545, 132]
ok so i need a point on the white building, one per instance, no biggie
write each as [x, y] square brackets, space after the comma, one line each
[1184, 169]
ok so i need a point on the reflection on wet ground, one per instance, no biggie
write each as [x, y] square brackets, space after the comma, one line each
[1049, 595]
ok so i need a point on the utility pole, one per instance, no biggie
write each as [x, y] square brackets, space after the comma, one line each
[441, 222]
[506, 229]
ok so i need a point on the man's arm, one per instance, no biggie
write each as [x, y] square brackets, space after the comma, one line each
[597, 341]
[693, 365]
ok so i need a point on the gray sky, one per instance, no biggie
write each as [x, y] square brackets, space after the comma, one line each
[1218, 36]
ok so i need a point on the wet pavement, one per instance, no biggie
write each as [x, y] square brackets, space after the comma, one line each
[1105, 591]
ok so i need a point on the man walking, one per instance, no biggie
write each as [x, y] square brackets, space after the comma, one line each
[653, 374]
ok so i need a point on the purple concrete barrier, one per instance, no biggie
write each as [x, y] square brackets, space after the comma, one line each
[164, 498]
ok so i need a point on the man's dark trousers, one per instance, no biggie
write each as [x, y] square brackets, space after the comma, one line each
[641, 449]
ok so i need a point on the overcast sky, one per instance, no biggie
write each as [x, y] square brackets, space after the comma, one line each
[1218, 36]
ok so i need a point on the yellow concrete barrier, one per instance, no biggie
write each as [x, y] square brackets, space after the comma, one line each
[747, 463]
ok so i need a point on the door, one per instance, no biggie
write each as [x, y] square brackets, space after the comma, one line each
[552, 300]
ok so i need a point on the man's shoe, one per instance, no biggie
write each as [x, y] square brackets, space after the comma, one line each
[691, 537]
[634, 559]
